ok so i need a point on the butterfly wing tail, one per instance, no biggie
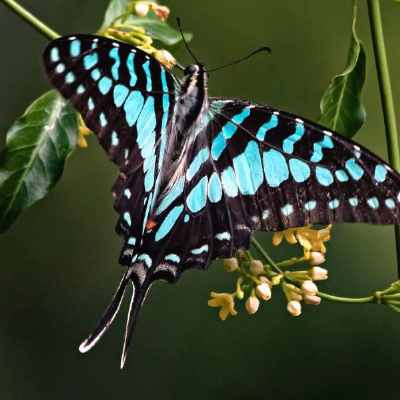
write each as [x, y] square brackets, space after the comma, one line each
[108, 316]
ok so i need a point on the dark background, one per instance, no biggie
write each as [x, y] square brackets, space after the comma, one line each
[59, 269]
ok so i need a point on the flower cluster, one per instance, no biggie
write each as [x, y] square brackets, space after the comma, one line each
[259, 279]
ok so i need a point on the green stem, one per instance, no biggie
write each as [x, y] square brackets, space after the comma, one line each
[266, 256]
[386, 98]
[31, 19]
[326, 296]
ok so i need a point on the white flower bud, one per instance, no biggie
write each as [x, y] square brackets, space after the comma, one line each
[295, 296]
[263, 279]
[318, 274]
[231, 264]
[312, 300]
[294, 307]
[165, 57]
[309, 287]
[316, 258]
[162, 12]
[263, 291]
[141, 9]
[252, 304]
[256, 267]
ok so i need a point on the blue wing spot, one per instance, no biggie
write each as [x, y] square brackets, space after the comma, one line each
[288, 143]
[357, 154]
[134, 258]
[265, 214]
[146, 121]
[168, 222]
[299, 169]
[114, 69]
[229, 182]
[90, 104]
[127, 218]
[132, 241]
[95, 74]
[373, 202]
[172, 257]
[80, 89]
[146, 69]
[324, 176]
[70, 77]
[334, 204]
[223, 236]
[197, 198]
[127, 193]
[380, 173]
[239, 118]
[148, 146]
[131, 69]
[353, 201]
[271, 124]
[172, 195]
[164, 81]
[287, 209]
[354, 169]
[75, 48]
[165, 102]
[148, 161]
[341, 175]
[214, 188]
[310, 205]
[147, 260]
[60, 68]
[105, 85]
[248, 169]
[390, 203]
[202, 249]
[54, 54]
[146, 212]
[201, 157]
[103, 120]
[120, 94]
[275, 167]
[149, 178]
[318, 146]
[90, 61]
[218, 146]
[186, 219]
[133, 106]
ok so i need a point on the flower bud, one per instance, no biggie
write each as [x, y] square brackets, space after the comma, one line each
[141, 9]
[312, 300]
[162, 12]
[165, 57]
[316, 258]
[294, 307]
[264, 279]
[263, 291]
[295, 296]
[256, 267]
[309, 287]
[252, 304]
[231, 264]
[318, 274]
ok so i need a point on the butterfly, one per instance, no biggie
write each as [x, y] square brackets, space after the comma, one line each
[198, 174]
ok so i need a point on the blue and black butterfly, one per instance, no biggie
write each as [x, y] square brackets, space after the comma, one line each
[199, 174]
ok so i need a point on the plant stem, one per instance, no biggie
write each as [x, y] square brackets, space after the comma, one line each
[31, 19]
[386, 98]
[326, 296]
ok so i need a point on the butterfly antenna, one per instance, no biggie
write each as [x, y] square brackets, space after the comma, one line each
[242, 59]
[178, 20]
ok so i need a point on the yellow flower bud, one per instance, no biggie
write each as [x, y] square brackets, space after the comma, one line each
[294, 307]
[318, 274]
[231, 264]
[256, 267]
[309, 287]
[165, 57]
[295, 296]
[141, 9]
[312, 300]
[263, 291]
[252, 304]
[316, 258]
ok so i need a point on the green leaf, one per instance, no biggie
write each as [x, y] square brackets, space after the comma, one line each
[37, 146]
[341, 106]
[156, 29]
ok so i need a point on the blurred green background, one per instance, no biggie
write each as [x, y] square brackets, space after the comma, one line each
[58, 263]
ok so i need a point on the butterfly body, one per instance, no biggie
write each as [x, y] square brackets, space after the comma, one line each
[199, 174]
